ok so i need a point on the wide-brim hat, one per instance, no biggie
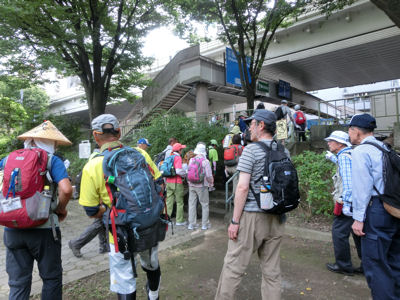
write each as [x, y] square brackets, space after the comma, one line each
[214, 142]
[47, 131]
[235, 130]
[340, 137]
[200, 149]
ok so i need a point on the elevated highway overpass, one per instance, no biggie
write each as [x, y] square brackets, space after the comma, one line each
[357, 45]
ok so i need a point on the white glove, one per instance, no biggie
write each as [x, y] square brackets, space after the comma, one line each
[67, 163]
[346, 211]
[329, 155]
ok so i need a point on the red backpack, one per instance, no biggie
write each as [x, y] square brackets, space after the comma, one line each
[22, 204]
[299, 119]
[232, 154]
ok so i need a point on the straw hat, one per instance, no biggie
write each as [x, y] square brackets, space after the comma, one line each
[48, 131]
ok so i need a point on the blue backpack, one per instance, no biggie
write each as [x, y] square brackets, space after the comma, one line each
[167, 169]
[136, 205]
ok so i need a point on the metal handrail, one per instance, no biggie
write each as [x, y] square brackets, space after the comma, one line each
[228, 199]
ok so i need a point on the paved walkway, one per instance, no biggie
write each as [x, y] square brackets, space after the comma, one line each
[91, 262]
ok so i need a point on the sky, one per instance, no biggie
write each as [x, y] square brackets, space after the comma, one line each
[162, 44]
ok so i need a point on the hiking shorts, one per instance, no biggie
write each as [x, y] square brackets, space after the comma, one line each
[122, 279]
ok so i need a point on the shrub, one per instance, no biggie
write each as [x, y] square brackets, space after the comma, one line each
[186, 130]
[76, 165]
[315, 183]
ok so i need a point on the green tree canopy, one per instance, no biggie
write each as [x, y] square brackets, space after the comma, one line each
[12, 115]
[98, 40]
[248, 27]
[34, 100]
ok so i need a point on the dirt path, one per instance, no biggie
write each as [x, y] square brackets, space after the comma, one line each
[191, 271]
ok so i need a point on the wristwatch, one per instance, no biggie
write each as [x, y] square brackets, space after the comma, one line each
[234, 222]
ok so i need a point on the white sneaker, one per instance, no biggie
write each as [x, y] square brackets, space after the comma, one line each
[180, 223]
[192, 227]
[208, 226]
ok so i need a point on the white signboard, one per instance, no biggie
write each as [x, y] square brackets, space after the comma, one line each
[84, 149]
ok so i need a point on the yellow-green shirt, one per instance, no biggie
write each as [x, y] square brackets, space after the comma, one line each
[93, 185]
[153, 168]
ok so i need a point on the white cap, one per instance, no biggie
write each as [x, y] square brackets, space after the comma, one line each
[200, 149]
[296, 107]
[340, 137]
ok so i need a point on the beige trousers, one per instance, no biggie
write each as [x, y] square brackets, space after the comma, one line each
[257, 232]
[200, 193]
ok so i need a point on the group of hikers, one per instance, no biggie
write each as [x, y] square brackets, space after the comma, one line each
[130, 196]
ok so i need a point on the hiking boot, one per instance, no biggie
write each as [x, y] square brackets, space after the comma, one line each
[336, 269]
[151, 295]
[103, 250]
[180, 223]
[208, 226]
[193, 226]
[359, 270]
[75, 251]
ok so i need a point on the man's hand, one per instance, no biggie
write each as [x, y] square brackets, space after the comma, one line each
[100, 213]
[233, 231]
[61, 213]
[329, 155]
[358, 228]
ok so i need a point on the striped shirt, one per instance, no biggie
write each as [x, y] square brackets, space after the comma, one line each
[252, 161]
[344, 162]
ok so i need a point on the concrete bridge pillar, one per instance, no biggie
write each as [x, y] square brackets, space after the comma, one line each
[201, 102]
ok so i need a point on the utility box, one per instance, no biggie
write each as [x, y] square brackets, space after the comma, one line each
[84, 149]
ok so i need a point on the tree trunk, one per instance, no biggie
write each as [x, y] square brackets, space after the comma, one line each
[99, 103]
[250, 100]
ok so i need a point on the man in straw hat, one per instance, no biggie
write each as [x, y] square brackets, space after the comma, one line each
[94, 197]
[338, 143]
[40, 243]
[379, 230]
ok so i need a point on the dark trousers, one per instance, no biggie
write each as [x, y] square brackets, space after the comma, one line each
[381, 252]
[23, 247]
[341, 229]
[302, 132]
[96, 228]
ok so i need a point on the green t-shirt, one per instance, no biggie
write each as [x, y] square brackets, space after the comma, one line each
[212, 155]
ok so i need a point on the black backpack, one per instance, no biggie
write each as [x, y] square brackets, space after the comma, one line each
[279, 113]
[159, 158]
[280, 177]
[391, 178]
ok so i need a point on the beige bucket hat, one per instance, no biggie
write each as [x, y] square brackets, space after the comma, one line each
[48, 131]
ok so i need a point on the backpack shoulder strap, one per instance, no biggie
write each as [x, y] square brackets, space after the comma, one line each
[267, 150]
[376, 145]
[49, 161]
[48, 168]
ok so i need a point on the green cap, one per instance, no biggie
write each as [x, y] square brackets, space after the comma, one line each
[214, 142]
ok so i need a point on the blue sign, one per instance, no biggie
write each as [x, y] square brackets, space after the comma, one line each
[284, 89]
[232, 68]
